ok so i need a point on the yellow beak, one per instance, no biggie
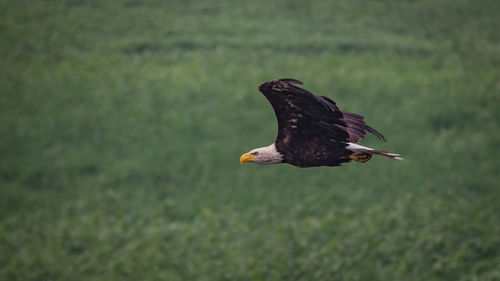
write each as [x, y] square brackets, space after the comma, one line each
[247, 158]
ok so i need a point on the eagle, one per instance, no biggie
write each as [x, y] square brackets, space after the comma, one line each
[312, 130]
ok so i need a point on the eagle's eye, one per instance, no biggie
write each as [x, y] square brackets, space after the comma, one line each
[255, 153]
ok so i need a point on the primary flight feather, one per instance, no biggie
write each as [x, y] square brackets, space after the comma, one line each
[312, 130]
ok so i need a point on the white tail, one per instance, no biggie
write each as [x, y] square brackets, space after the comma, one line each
[359, 148]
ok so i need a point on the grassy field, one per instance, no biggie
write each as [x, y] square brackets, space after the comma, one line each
[122, 122]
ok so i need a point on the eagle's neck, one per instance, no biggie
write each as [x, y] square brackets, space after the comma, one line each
[269, 155]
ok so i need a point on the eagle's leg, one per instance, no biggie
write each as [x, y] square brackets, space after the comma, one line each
[360, 157]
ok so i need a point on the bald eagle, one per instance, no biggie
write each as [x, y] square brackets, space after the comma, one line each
[312, 130]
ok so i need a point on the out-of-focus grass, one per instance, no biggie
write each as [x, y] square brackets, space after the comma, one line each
[121, 125]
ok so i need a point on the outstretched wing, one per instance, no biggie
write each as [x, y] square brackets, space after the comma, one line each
[302, 115]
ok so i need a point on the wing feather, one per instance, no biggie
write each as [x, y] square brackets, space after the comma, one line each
[357, 127]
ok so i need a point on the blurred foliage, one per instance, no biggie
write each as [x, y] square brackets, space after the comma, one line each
[122, 122]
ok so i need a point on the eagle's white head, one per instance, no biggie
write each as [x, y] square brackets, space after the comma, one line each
[263, 155]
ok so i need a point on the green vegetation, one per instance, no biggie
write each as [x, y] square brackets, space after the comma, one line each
[122, 122]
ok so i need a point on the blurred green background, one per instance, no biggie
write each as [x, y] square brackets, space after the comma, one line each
[122, 123]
